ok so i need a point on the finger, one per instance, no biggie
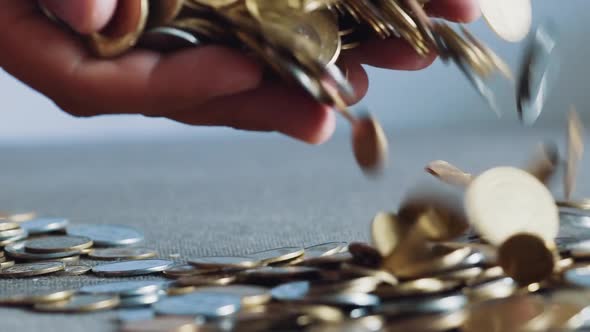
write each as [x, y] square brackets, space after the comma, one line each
[139, 81]
[84, 16]
[356, 75]
[269, 108]
[454, 10]
[393, 53]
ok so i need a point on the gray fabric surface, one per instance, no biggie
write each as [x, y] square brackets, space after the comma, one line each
[226, 196]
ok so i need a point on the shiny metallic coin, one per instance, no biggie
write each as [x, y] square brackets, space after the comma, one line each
[496, 288]
[135, 314]
[75, 270]
[80, 303]
[369, 144]
[6, 264]
[386, 231]
[250, 295]
[122, 253]
[489, 274]
[105, 235]
[132, 268]
[44, 225]
[161, 324]
[345, 300]
[18, 217]
[379, 275]
[526, 259]
[123, 30]
[31, 269]
[418, 287]
[53, 244]
[14, 239]
[504, 201]
[449, 173]
[575, 150]
[462, 275]
[17, 250]
[423, 305]
[139, 300]
[206, 280]
[273, 275]
[344, 283]
[277, 255]
[290, 291]
[431, 264]
[183, 270]
[510, 19]
[167, 39]
[539, 69]
[212, 305]
[174, 290]
[65, 260]
[7, 225]
[36, 296]
[544, 163]
[125, 288]
[225, 262]
[325, 249]
[12, 233]
[327, 262]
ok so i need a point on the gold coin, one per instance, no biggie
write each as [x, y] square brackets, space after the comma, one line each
[278, 255]
[387, 231]
[34, 297]
[583, 204]
[206, 280]
[423, 286]
[369, 144]
[225, 262]
[6, 225]
[365, 254]
[122, 253]
[80, 303]
[180, 290]
[31, 269]
[526, 258]
[53, 244]
[123, 31]
[381, 275]
[183, 270]
[441, 261]
[448, 173]
[575, 150]
[160, 324]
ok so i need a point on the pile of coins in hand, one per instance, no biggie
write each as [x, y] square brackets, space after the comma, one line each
[301, 40]
[491, 257]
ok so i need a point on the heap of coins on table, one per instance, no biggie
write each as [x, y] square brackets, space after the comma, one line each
[488, 252]
[301, 41]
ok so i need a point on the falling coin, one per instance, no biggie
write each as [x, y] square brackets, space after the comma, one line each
[504, 201]
[369, 144]
[526, 258]
[448, 173]
[510, 19]
[575, 150]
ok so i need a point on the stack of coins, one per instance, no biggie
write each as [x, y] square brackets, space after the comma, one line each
[301, 40]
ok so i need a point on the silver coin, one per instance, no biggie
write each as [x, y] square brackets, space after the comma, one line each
[167, 39]
[571, 219]
[32, 269]
[135, 314]
[132, 268]
[139, 300]
[345, 300]
[224, 262]
[107, 235]
[75, 270]
[14, 239]
[199, 304]
[278, 255]
[290, 291]
[7, 225]
[12, 233]
[125, 288]
[80, 303]
[122, 253]
[325, 249]
[539, 69]
[44, 225]
[17, 250]
[52, 244]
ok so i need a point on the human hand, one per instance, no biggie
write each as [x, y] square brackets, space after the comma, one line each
[209, 85]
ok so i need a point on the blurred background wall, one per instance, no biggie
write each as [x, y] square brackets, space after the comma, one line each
[436, 98]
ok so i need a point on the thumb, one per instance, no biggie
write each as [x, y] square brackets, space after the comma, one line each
[84, 16]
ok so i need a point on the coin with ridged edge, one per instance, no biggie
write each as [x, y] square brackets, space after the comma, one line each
[122, 253]
[32, 269]
[52, 244]
[107, 235]
[80, 303]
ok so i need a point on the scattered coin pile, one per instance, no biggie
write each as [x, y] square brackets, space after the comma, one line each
[301, 40]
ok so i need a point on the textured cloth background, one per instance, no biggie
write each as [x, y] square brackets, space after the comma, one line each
[227, 196]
